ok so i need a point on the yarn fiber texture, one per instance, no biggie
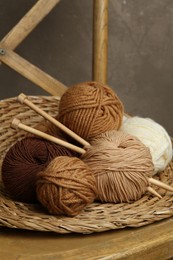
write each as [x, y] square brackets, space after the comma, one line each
[24, 160]
[121, 165]
[90, 108]
[154, 136]
[66, 186]
[48, 128]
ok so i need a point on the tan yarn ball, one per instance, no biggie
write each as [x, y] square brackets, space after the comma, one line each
[66, 186]
[121, 164]
[90, 108]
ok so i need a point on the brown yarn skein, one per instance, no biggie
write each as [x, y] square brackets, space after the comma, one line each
[23, 161]
[121, 164]
[66, 186]
[90, 108]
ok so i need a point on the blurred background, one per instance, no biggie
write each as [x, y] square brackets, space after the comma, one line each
[140, 51]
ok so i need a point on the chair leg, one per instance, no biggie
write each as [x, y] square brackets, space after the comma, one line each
[100, 40]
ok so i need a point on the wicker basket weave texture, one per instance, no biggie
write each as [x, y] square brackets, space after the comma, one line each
[96, 217]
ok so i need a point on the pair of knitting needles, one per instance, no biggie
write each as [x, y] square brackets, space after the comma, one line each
[16, 123]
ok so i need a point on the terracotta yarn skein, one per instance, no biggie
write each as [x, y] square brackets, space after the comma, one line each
[90, 108]
[121, 164]
[22, 163]
[66, 186]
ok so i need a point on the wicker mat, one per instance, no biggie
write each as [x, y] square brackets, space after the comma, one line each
[97, 217]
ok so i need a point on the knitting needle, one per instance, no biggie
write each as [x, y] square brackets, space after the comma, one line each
[17, 124]
[22, 98]
[160, 184]
[151, 190]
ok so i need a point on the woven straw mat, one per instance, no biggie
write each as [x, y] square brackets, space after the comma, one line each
[96, 217]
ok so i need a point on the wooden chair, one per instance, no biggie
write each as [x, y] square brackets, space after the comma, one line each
[30, 21]
[150, 242]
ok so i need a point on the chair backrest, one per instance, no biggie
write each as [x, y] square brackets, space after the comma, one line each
[35, 15]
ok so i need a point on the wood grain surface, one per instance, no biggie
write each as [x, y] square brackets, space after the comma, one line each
[33, 17]
[100, 40]
[151, 242]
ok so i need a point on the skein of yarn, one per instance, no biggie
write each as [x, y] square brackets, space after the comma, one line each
[24, 160]
[121, 165]
[66, 186]
[90, 108]
[154, 136]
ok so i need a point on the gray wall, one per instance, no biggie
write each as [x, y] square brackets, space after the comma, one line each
[140, 64]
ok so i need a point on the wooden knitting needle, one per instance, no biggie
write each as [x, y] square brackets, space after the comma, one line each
[160, 184]
[151, 190]
[22, 98]
[17, 124]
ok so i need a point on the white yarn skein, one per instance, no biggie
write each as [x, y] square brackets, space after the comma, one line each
[154, 136]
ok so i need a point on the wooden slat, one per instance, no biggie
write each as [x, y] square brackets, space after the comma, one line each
[33, 73]
[100, 40]
[28, 23]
